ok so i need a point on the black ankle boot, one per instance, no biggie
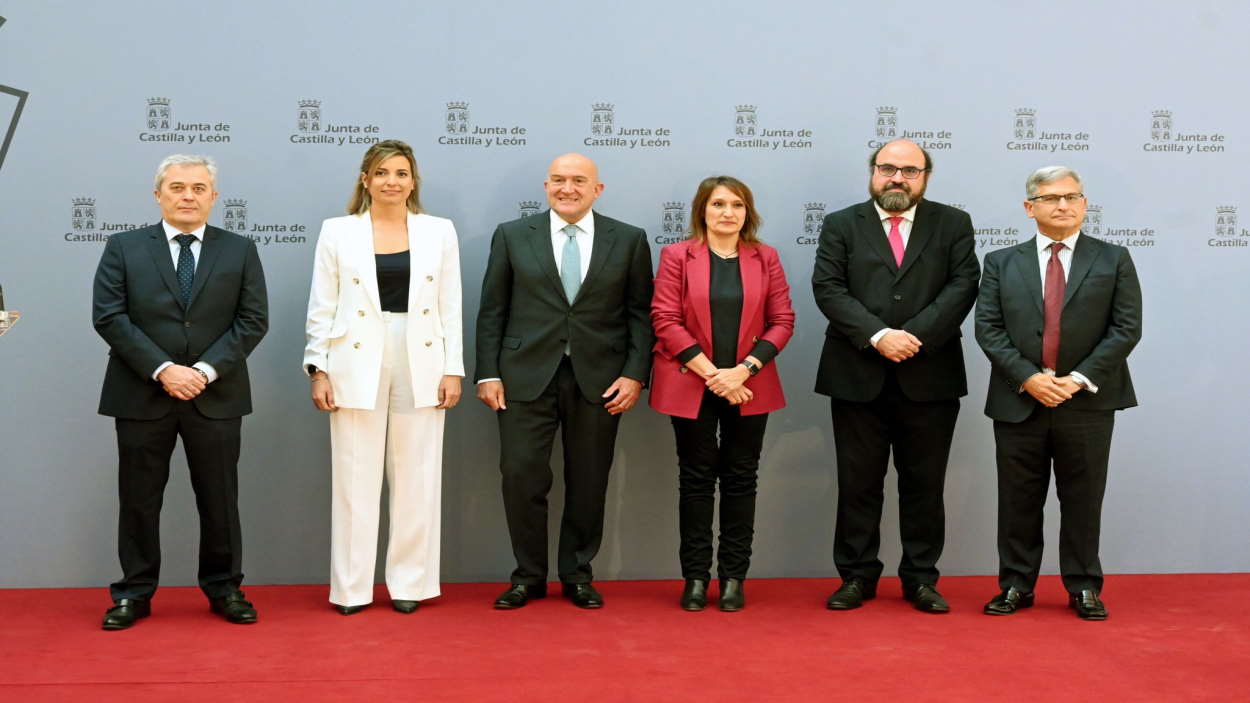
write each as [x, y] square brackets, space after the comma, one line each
[694, 596]
[731, 596]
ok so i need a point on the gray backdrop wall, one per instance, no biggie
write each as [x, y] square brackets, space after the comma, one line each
[788, 95]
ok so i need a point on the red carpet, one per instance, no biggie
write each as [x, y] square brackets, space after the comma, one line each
[1160, 644]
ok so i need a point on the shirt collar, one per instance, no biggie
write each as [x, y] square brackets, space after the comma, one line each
[586, 224]
[171, 231]
[1043, 241]
[909, 214]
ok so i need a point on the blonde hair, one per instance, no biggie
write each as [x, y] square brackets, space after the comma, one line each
[360, 200]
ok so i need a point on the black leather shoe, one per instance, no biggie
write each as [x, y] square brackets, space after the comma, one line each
[732, 597]
[1009, 601]
[350, 609]
[518, 594]
[405, 606]
[1087, 605]
[125, 612]
[234, 608]
[851, 594]
[583, 595]
[925, 598]
[694, 596]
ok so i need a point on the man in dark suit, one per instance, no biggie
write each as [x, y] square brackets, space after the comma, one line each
[181, 305]
[563, 340]
[1057, 316]
[895, 276]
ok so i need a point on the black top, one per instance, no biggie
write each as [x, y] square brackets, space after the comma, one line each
[725, 300]
[393, 273]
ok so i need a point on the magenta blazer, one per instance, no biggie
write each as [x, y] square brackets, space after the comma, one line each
[682, 316]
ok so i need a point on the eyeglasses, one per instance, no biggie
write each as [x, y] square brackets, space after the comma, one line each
[1053, 199]
[909, 172]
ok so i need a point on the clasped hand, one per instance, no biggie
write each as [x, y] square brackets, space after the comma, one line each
[182, 382]
[898, 345]
[728, 384]
[1051, 390]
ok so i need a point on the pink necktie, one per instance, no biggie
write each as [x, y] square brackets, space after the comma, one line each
[1052, 307]
[896, 241]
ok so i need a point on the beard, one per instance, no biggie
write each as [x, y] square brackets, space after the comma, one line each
[897, 197]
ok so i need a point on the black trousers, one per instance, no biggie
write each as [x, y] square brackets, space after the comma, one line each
[526, 433]
[919, 435]
[702, 461]
[144, 448]
[1078, 445]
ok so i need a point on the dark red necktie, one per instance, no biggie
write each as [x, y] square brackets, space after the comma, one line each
[1052, 304]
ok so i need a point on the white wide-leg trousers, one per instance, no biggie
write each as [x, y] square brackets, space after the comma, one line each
[406, 444]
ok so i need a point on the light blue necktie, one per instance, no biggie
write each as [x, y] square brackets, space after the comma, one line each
[571, 264]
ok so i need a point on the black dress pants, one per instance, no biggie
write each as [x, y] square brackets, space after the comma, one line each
[1078, 444]
[702, 461]
[144, 448]
[526, 433]
[919, 434]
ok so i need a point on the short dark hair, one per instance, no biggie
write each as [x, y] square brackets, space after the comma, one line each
[750, 225]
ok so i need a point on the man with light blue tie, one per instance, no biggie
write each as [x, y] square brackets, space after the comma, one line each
[181, 305]
[563, 341]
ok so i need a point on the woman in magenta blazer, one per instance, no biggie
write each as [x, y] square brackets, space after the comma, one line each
[721, 312]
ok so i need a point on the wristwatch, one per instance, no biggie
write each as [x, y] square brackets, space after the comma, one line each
[751, 367]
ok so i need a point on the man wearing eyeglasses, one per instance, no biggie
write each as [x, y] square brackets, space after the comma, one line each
[1057, 316]
[895, 276]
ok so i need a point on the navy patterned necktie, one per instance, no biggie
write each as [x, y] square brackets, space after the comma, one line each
[186, 267]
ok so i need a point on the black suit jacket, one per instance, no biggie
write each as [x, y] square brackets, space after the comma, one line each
[524, 320]
[137, 310]
[861, 290]
[1100, 325]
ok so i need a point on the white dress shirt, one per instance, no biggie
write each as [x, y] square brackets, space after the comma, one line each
[904, 228]
[1065, 259]
[175, 249]
[585, 239]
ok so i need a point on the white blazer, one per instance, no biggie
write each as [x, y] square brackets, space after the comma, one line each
[345, 333]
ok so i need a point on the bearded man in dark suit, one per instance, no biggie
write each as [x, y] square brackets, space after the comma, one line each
[895, 276]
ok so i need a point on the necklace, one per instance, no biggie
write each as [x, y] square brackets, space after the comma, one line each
[724, 255]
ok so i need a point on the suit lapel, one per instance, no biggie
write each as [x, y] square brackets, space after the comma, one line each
[359, 244]
[698, 291]
[210, 249]
[871, 231]
[424, 258]
[600, 249]
[1083, 256]
[750, 264]
[921, 234]
[158, 247]
[540, 243]
[1028, 268]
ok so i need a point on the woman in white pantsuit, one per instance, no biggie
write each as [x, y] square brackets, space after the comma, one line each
[384, 356]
